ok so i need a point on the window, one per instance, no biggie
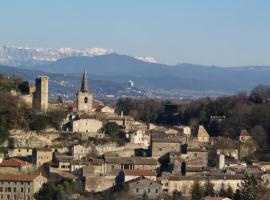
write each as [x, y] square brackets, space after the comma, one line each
[21, 189]
[156, 190]
[8, 197]
[14, 189]
[19, 150]
[1, 189]
[149, 190]
[137, 189]
[2, 196]
[85, 100]
[9, 189]
[29, 190]
[159, 149]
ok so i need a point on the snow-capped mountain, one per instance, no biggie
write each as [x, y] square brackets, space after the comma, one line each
[16, 56]
[147, 59]
[11, 55]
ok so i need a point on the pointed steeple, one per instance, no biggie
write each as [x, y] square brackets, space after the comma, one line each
[84, 86]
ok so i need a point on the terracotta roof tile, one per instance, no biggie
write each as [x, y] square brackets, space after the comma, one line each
[202, 132]
[17, 177]
[13, 162]
[138, 172]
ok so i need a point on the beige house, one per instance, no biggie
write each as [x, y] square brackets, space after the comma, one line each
[104, 109]
[20, 152]
[130, 163]
[20, 187]
[79, 151]
[184, 183]
[41, 156]
[86, 125]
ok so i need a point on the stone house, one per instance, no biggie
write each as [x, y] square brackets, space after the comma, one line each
[160, 147]
[232, 153]
[14, 166]
[139, 137]
[20, 186]
[141, 185]
[41, 156]
[104, 109]
[133, 174]
[130, 163]
[20, 152]
[79, 151]
[86, 125]
[184, 183]
[185, 130]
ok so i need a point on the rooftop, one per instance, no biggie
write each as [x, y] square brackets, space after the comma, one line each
[17, 177]
[13, 162]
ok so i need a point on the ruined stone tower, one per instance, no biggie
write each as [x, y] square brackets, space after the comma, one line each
[84, 97]
[40, 100]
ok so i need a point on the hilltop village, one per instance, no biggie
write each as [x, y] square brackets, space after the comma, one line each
[98, 153]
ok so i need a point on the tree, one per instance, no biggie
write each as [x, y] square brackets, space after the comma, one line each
[250, 188]
[237, 195]
[208, 188]
[4, 135]
[196, 191]
[112, 129]
[260, 94]
[222, 191]
[229, 192]
[41, 122]
[260, 136]
[145, 196]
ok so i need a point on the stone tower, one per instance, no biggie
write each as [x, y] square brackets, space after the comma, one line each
[84, 97]
[41, 94]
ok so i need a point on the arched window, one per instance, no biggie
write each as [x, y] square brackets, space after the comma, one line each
[85, 100]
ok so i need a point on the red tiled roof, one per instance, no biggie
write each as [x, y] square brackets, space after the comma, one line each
[202, 132]
[13, 162]
[137, 172]
[17, 177]
[244, 133]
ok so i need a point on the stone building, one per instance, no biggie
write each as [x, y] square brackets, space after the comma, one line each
[184, 183]
[130, 163]
[86, 125]
[160, 147]
[141, 185]
[20, 152]
[21, 187]
[41, 156]
[40, 100]
[14, 166]
[84, 97]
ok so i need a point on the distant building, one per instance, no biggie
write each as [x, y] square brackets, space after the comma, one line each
[84, 97]
[20, 186]
[244, 136]
[40, 100]
[104, 109]
[86, 125]
[130, 83]
[41, 156]
[141, 185]
[203, 135]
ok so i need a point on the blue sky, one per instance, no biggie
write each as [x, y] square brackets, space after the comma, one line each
[211, 32]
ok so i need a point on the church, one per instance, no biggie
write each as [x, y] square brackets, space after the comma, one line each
[84, 97]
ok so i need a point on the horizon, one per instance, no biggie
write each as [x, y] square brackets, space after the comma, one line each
[206, 33]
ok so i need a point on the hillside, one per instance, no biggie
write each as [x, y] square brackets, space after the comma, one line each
[160, 76]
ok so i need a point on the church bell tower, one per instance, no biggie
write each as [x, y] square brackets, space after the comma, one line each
[84, 97]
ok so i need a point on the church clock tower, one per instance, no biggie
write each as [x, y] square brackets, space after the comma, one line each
[84, 97]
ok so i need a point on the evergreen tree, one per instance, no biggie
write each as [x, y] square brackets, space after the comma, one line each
[250, 188]
[145, 196]
[237, 195]
[208, 188]
[229, 192]
[222, 191]
[196, 191]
